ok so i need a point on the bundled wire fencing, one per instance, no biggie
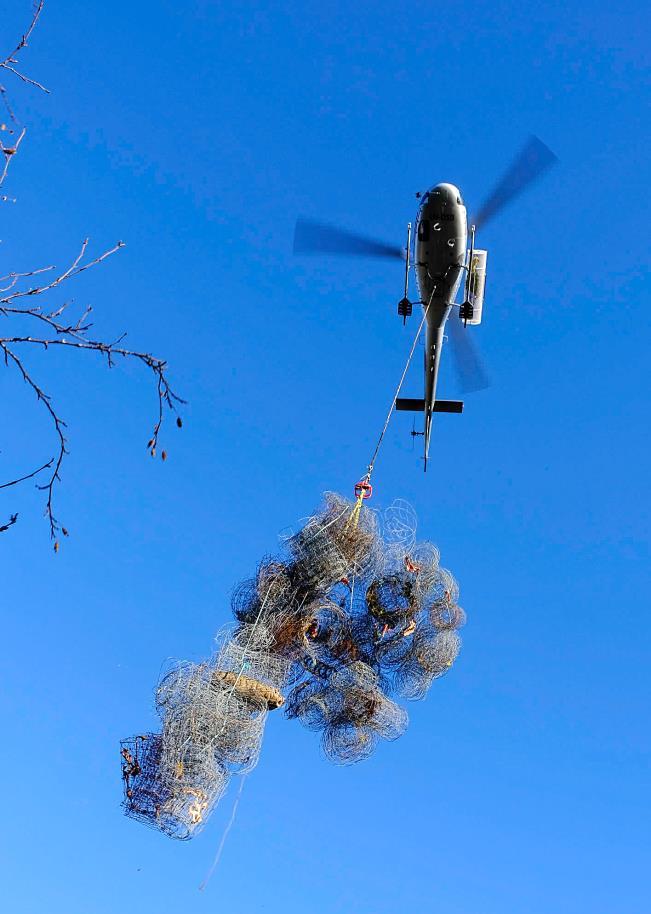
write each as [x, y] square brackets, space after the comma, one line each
[353, 615]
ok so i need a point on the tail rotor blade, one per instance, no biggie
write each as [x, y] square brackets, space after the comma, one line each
[317, 238]
[467, 362]
[534, 159]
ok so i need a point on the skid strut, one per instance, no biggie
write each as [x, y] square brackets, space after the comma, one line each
[404, 305]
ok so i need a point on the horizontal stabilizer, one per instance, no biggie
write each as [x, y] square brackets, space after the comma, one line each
[448, 406]
[412, 406]
[416, 405]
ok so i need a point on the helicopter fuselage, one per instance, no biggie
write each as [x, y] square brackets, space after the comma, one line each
[440, 256]
[440, 260]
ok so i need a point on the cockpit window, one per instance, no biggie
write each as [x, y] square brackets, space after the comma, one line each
[423, 230]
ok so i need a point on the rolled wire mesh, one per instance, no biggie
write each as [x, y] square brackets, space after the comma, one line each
[330, 546]
[398, 525]
[361, 714]
[240, 657]
[356, 611]
[169, 786]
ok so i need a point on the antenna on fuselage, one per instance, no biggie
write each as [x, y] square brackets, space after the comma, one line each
[414, 434]
[404, 305]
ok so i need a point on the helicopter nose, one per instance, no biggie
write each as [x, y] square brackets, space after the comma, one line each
[447, 193]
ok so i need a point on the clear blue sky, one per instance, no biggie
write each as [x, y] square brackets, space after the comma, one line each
[197, 132]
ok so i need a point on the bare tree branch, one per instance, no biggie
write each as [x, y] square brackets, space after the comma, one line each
[71, 336]
[10, 65]
[59, 425]
[16, 277]
[16, 288]
[11, 59]
[12, 520]
[9, 152]
[25, 79]
[14, 482]
[74, 269]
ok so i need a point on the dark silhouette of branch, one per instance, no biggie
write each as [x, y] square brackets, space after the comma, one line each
[12, 520]
[71, 336]
[17, 308]
[14, 482]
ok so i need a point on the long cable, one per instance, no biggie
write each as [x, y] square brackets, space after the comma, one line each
[399, 388]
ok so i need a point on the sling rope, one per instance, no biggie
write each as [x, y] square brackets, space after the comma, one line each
[363, 487]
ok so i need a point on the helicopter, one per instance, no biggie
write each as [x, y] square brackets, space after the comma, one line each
[441, 259]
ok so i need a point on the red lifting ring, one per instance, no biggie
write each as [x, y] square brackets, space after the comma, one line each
[363, 488]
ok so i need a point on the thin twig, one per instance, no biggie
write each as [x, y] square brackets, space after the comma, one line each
[11, 58]
[12, 520]
[9, 152]
[73, 270]
[14, 482]
[25, 79]
[16, 277]
[10, 64]
[59, 425]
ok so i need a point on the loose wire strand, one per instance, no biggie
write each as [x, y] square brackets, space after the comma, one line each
[218, 855]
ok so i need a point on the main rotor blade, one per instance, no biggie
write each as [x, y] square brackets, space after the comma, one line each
[467, 363]
[316, 238]
[533, 159]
